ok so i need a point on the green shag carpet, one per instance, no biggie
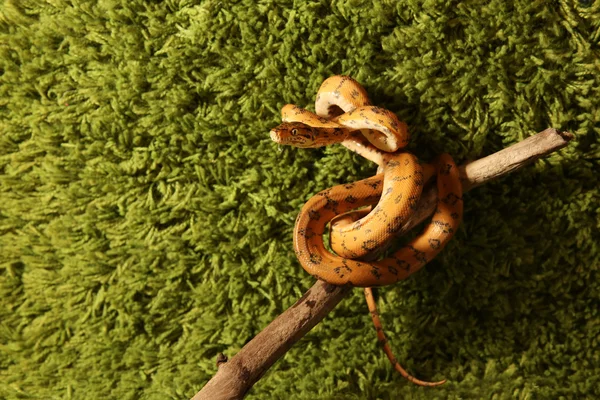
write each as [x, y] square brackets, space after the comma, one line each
[146, 217]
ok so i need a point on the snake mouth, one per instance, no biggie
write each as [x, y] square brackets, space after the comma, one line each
[276, 137]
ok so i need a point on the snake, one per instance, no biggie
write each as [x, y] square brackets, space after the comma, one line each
[344, 114]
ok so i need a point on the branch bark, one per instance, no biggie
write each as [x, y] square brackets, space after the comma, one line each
[236, 376]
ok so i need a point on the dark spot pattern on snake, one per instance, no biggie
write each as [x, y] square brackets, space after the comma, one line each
[375, 272]
[434, 243]
[445, 170]
[418, 254]
[341, 271]
[370, 245]
[314, 215]
[451, 199]
[405, 265]
[315, 258]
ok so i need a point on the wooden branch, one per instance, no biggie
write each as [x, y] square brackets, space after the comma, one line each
[236, 376]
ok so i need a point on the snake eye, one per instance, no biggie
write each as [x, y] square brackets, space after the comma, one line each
[294, 132]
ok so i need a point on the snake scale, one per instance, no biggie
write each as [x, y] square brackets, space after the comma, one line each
[345, 115]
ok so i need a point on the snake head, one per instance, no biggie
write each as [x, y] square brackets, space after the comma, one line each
[295, 134]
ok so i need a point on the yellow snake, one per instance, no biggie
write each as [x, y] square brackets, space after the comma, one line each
[344, 115]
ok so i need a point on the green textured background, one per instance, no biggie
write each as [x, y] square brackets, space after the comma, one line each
[146, 218]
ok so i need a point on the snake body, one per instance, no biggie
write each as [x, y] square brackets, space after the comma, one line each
[344, 115]
[320, 209]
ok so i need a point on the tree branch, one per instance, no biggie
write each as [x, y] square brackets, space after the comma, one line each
[236, 376]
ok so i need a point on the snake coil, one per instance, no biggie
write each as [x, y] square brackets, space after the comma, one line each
[344, 115]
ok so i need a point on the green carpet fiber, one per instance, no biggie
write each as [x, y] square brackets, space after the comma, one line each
[146, 218]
